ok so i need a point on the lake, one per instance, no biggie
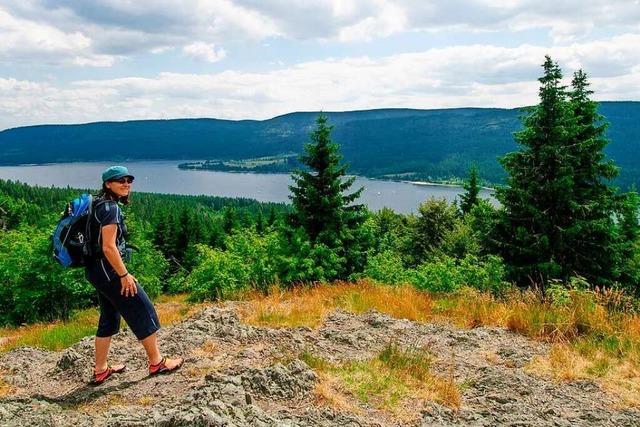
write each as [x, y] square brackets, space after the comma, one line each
[165, 177]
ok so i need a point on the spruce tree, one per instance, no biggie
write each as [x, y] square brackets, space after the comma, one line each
[320, 204]
[559, 207]
[592, 236]
[537, 200]
[472, 186]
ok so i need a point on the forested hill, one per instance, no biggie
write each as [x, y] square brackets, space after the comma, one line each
[421, 144]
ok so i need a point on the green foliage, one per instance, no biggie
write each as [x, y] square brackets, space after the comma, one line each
[33, 286]
[149, 267]
[447, 274]
[302, 261]
[436, 218]
[391, 231]
[472, 189]
[460, 241]
[260, 253]
[387, 267]
[250, 261]
[558, 211]
[217, 274]
[323, 210]
[629, 241]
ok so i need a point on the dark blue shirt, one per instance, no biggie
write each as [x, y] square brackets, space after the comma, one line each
[106, 213]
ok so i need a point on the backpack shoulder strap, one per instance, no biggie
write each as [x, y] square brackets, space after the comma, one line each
[97, 202]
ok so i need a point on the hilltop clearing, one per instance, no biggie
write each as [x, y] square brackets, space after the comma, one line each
[349, 369]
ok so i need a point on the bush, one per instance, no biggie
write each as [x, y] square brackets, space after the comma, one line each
[386, 267]
[303, 261]
[436, 217]
[460, 241]
[447, 274]
[149, 267]
[217, 274]
[33, 286]
[441, 275]
[251, 261]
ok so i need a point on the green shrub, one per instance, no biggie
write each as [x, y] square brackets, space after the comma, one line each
[386, 267]
[436, 218]
[260, 253]
[460, 241]
[149, 267]
[441, 275]
[484, 273]
[217, 274]
[33, 286]
[446, 274]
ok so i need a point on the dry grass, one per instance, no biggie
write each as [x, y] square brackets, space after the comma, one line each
[5, 389]
[595, 335]
[328, 392]
[175, 308]
[395, 381]
[308, 306]
[60, 335]
[147, 400]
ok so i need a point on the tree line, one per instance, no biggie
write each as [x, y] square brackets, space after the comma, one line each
[560, 222]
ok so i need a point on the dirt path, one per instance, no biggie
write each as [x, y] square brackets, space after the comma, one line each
[239, 375]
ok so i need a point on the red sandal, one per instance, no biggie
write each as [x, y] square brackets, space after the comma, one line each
[162, 368]
[99, 378]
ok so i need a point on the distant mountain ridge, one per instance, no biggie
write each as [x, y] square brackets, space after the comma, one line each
[410, 143]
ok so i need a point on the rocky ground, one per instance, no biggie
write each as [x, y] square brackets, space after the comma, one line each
[240, 375]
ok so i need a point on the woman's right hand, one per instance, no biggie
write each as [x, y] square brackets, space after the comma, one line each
[128, 285]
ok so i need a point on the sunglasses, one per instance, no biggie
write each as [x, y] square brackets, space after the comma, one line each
[124, 179]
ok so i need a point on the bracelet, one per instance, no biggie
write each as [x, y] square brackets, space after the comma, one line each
[124, 275]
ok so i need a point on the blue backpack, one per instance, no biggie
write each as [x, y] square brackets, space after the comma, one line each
[72, 246]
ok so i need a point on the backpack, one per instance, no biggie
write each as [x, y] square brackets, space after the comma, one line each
[72, 246]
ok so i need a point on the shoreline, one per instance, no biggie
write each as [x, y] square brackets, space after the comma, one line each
[179, 161]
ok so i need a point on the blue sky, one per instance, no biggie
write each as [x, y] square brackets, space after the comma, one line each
[66, 61]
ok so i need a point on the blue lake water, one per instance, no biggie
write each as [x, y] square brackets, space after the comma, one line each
[165, 177]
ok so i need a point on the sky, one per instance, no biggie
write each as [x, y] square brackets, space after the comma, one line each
[78, 61]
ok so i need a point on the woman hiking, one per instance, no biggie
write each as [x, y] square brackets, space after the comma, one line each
[119, 293]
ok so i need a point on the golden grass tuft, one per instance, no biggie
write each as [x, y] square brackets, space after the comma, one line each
[5, 388]
[308, 306]
[146, 400]
[175, 308]
[328, 393]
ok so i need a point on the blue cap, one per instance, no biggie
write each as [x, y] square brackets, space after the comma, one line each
[115, 172]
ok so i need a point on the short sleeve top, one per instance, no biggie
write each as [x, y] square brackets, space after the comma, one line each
[105, 213]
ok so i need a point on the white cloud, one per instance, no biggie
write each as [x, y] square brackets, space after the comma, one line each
[204, 52]
[25, 41]
[121, 28]
[457, 76]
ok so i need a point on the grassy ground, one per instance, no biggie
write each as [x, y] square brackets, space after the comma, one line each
[391, 381]
[594, 335]
[59, 335]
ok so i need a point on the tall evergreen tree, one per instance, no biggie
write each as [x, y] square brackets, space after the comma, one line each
[320, 203]
[592, 236]
[559, 206]
[537, 200]
[472, 186]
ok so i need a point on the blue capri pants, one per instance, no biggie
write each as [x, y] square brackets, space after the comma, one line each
[137, 310]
